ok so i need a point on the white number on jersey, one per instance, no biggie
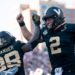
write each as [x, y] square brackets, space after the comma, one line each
[55, 44]
[7, 62]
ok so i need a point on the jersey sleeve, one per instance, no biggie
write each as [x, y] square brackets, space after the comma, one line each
[20, 44]
[35, 42]
[39, 39]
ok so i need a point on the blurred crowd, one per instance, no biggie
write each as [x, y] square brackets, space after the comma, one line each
[37, 61]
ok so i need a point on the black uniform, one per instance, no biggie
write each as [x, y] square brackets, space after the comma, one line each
[60, 44]
[11, 56]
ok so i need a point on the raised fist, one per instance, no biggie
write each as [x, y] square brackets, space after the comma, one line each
[36, 19]
[20, 18]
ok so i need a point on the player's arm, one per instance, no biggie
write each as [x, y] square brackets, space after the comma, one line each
[25, 32]
[33, 42]
[36, 36]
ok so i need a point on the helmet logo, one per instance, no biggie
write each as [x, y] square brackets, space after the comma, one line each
[57, 11]
[2, 41]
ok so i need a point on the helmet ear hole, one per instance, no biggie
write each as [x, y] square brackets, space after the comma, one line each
[59, 20]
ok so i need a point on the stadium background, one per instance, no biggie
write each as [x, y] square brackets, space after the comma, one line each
[33, 61]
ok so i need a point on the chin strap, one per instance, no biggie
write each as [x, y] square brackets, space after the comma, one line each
[59, 26]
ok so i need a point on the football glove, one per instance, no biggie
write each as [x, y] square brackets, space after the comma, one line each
[36, 19]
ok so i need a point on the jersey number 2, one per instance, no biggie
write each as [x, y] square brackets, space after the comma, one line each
[54, 45]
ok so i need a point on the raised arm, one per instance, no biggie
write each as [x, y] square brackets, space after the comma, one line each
[25, 32]
[36, 36]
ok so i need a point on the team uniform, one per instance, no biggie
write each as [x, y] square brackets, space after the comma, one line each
[11, 56]
[60, 41]
[60, 44]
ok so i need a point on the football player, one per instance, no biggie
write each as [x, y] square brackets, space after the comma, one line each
[60, 41]
[11, 55]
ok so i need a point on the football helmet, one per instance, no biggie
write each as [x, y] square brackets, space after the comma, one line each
[6, 39]
[56, 14]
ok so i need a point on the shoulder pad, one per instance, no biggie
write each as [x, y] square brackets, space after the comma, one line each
[70, 27]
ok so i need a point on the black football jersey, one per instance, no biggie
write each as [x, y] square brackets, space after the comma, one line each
[12, 56]
[60, 44]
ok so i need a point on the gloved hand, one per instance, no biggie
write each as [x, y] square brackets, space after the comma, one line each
[36, 19]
